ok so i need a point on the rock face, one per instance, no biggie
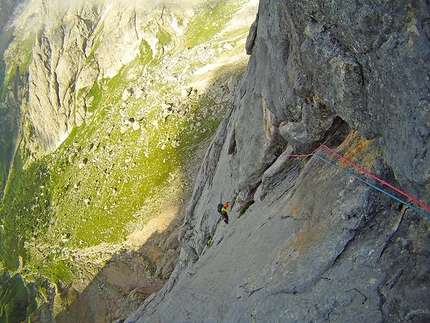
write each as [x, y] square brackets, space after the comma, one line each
[73, 51]
[322, 241]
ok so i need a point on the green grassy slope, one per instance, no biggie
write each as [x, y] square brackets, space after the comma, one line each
[125, 164]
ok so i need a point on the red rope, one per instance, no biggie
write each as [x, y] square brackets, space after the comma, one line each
[365, 172]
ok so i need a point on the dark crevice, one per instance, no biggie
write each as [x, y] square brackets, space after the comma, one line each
[337, 133]
[232, 143]
[389, 238]
[355, 289]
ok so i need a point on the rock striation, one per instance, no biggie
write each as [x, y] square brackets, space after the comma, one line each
[313, 239]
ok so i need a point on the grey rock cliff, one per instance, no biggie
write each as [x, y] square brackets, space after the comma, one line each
[71, 53]
[318, 244]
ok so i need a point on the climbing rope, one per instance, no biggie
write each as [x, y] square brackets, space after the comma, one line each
[323, 146]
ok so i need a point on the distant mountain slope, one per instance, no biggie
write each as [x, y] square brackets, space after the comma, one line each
[106, 109]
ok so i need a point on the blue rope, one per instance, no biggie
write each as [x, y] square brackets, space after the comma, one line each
[373, 186]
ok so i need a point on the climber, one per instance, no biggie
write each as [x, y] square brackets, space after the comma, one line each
[222, 210]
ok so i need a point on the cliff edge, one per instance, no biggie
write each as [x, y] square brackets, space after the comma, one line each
[323, 157]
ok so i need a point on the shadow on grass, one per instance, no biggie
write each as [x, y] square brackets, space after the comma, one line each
[127, 279]
[148, 258]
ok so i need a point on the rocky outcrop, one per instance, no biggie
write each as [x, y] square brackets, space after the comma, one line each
[342, 252]
[321, 242]
[73, 48]
[70, 55]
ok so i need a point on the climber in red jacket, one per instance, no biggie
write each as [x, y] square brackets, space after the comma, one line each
[223, 209]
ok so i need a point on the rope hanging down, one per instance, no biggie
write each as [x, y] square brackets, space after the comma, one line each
[421, 204]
